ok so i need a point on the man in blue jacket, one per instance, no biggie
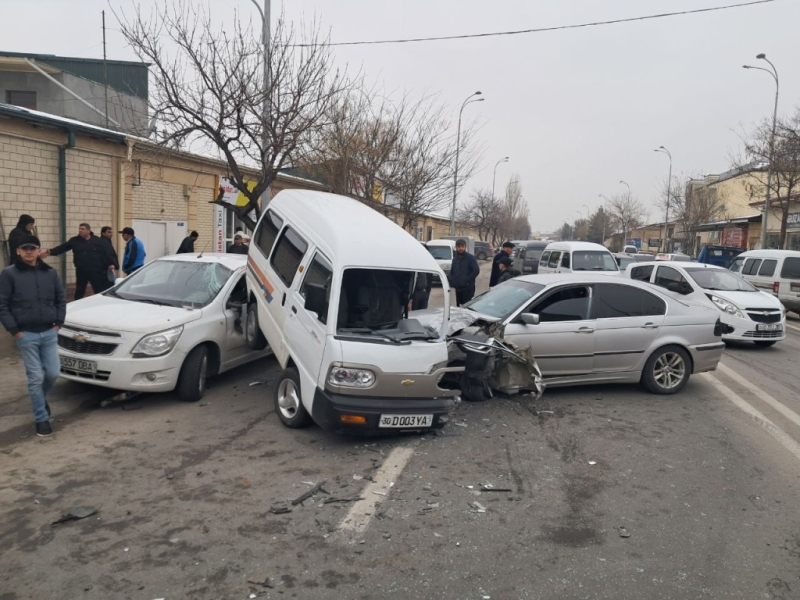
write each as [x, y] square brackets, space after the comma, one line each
[463, 272]
[33, 307]
[134, 251]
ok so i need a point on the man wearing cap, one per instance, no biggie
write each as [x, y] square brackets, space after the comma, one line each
[91, 257]
[463, 272]
[187, 245]
[238, 246]
[506, 272]
[505, 252]
[33, 307]
[134, 251]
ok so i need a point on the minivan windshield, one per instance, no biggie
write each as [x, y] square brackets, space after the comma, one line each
[174, 283]
[720, 280]
[593, 260]
[441, 252]
[502, 300]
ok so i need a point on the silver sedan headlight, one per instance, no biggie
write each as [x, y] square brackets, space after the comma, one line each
[157, 344]
[726, 306]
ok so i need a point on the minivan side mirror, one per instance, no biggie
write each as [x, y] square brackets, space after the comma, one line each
[316, 299]
[529, 318]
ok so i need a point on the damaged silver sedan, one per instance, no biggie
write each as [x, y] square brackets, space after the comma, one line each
[578, 329]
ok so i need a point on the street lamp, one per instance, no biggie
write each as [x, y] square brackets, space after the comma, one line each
[494, 176]
[774, 74]
[622, 215]
[604, 216]
[471, 98]
[663, 150]
[265, 23]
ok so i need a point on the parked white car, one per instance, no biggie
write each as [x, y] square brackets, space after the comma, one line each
[752, 315]
[574, 257]
[168, 326]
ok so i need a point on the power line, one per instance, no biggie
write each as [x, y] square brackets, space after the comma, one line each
[543, 29]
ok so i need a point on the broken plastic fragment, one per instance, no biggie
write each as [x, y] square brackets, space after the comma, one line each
[252, 383]
[357, 477]
[79, 512]
[624, 533]
[592, 462]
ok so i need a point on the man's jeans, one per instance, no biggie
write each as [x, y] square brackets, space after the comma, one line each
[40, 355]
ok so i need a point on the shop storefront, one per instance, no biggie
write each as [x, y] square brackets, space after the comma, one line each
[793, 231]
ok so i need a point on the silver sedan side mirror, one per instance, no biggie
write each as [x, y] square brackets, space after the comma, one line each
[529, 318]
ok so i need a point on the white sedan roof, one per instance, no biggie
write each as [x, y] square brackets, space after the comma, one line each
[231, 261]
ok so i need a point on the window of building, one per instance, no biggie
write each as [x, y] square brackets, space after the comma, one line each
[288, 255]
[20, 98]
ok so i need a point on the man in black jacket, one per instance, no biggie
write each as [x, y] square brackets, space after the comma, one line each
[464, 271]
[106, 235]
[238, 246]
[506, 272]
[91, 257]
[187, 245]
[32, 309]
[24, 227]
[505, 252]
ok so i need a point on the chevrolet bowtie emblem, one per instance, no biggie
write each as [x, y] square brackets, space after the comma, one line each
[81, 337]
[407, 382]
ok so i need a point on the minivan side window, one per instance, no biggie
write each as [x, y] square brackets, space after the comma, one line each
[642, 273]
[751, 266]
[288, 255]
[565, 260]
[736, 265]
[768, 268]
[320, 273]
[545, 258]
[554, 256]
[791, 268]
[267, 232]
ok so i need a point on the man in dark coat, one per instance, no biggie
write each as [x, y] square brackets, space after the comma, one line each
[506, 272]
[422, 291]
[463, 272]
[24, 227]
[106, 235]
[505, 252]
[238, 246]
[32, 309]
[187, 245]
[91, 258]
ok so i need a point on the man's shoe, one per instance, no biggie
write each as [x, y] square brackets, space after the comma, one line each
[43, 429]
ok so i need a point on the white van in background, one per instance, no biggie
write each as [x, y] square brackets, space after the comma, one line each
[776, 271]
[329, 282]
[443, 252]
[574, 257]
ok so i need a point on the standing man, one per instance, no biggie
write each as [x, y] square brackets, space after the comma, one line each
[106, 235]
[463, 273]
[32, 309]
[134, 251]
[24, 228]
[506, 272]
[238, 246]
[187, 245]
[422, 291]
[91, 258]
[505, 252]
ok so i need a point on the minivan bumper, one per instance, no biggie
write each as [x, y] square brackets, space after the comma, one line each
[328, 409]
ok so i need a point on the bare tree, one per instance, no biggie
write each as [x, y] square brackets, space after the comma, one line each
[693, 206]
[481, 213]
[627, 212]
[209, 90]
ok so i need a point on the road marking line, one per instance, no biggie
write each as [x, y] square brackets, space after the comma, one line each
[793, 327]
[760, 394]
[785, 440]
[360, 514]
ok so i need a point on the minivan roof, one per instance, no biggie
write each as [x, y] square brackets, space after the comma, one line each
[771, 253]
[451, 243]
[351, 233]
[576, 246]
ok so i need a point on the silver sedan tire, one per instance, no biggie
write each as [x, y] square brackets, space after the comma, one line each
[667, 370]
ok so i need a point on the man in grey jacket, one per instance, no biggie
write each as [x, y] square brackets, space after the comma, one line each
[33, 307]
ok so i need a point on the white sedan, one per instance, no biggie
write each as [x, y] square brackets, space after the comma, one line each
[751, 314]
[168, 326]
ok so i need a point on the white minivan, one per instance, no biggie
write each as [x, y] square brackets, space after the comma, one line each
[573, 257]
[777, 271]
[443, 251]
[329, 282]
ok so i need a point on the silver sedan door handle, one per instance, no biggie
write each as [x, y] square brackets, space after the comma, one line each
[584, 330]
[649, 326]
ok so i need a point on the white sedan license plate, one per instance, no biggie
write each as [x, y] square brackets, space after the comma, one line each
[76, 364]
[769, 327]
[405, 421]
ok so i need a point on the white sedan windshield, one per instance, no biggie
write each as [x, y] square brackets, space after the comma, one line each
[720, 280]
[175, 283]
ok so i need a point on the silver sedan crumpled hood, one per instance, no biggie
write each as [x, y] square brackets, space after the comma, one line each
[459, 318]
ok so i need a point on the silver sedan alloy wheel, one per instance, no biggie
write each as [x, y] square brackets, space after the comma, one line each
[669, 370]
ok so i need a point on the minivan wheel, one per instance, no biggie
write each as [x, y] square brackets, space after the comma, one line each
[288, 404]
[252, 332]
[194, 373]
[482, 256]
[765, 343]
[667, 370]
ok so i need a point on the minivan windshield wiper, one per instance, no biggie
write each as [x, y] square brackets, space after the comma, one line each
[369, 331]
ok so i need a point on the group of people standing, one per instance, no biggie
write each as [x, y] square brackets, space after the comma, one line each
[237, 247]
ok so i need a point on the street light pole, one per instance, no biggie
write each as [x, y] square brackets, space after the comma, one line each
[624, 222]
[663, 150]
[471, 98]
[494, 176]
[604, 217]
[265, 27]
[774, 73]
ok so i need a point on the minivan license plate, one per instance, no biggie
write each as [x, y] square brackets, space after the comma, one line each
[76, 364]
[768, 327]
[406, 421]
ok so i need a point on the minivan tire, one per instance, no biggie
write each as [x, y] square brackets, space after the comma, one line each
[667, 370]
[252, 332]
[194, 374]
[288, 403]
[482, 255]
[765, 343]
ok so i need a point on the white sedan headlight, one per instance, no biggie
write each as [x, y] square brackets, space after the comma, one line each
[347, 377]
[726, 306]
[157, 344]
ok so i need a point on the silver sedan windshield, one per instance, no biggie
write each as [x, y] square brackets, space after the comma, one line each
[504, 299]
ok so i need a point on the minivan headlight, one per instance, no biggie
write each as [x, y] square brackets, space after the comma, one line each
[157, 344]
[348, 377]
[726, 306]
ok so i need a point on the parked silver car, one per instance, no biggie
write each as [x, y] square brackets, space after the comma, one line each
[586, 328]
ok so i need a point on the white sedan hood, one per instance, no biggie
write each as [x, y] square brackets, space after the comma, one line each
[744, 300]
[114, 314]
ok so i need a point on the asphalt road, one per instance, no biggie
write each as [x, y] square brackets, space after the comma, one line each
[704, 483]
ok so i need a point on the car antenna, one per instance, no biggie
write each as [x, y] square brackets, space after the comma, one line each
[204, 249]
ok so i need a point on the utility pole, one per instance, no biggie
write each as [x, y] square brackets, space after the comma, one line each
[471, 98]
[265, 39]
[105, 68]
[663, 150]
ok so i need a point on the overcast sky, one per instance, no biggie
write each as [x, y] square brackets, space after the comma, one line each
[575, 110]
